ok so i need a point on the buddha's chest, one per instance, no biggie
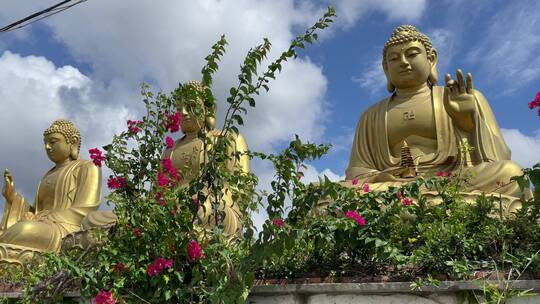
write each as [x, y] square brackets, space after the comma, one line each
[186, 158]
[413, 118]
[46, 190]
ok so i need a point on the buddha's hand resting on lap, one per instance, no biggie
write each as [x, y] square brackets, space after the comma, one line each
[9, 187]
[460, 102]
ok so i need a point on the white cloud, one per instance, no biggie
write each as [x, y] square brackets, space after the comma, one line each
[508, 50]
[33, 94]
[525, 149]
[372, 78]
[350, 11]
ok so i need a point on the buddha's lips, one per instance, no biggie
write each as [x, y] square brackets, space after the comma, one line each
[405, 72]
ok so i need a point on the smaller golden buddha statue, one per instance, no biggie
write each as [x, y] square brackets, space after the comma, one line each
[65, 195]
[188, 155]
[422, 129]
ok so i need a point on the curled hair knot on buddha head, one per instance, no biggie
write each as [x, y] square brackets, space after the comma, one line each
[408, 33]
[70, 133]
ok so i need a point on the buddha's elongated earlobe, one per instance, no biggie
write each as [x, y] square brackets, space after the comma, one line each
[433, 74]
[389, 85]
[74, 149]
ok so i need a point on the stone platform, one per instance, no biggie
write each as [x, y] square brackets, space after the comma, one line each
[448, 292]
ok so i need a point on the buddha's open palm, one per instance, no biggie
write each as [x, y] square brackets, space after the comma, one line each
[460, 100]
[9, 187]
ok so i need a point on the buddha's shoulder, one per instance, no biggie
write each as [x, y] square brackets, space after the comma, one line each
[376, 107]
[86, 164]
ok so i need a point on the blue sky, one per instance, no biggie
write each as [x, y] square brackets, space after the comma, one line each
[86, 64]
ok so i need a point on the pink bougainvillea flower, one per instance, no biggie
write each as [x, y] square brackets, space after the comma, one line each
[278, 222]
[96, 156]
[160, 199]
[532, 105]
[104, 297]
[167, 164]
[196, 202]
[354, 181]
[194, 251]
[119, 267]
[136, 232]
[356, 217]
[170, 142]
[116, 183]
[399, 195]
[365, 187]
[159, 264]
[407, 202]
[444, 174]
[173, 122]
[133, 126]
[162, 179]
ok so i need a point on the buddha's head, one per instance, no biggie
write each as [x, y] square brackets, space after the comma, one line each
[62, 141]
[409, 59]
[195, 114]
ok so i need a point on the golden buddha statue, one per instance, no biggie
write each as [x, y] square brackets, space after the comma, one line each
[188, 156]
[65, 195]
[431, 123]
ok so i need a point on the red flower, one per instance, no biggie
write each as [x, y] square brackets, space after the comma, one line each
[194, 251]
[168, 167]
[365, 187]
[157, 266]
[133, 126]
[162, 180]
[173, 122]
[119, 267]
[104, 297]
[399, 195]
[116, 183]
[170, 142]
[196, 202]
[159, 199]
[278, 222]
[355, 216]
[137, 232]
[535, 103]
[355, 181]
[96, 156]
[407, 202]
[444, 174]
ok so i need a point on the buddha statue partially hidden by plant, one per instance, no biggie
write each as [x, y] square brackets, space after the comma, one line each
[66, 194]
[189, 154]
[446, 130]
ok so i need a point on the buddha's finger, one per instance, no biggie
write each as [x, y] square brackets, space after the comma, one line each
[470, 87]
[447, 79]
[460, 81]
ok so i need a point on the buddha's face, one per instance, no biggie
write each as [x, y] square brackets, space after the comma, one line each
[190, 122]
[57, 148]
[407, 65]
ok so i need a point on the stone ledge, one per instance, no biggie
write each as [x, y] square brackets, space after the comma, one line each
[386, 287]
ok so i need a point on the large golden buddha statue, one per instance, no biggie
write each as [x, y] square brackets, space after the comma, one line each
[432, 123]
[188, 154]
[65, 195]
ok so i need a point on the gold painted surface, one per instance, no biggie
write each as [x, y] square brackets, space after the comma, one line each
[66, 194]
[433, 121]
[188, 156]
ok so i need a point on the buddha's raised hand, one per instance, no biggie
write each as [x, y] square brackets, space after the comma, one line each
[460, 101]
[9, 187]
